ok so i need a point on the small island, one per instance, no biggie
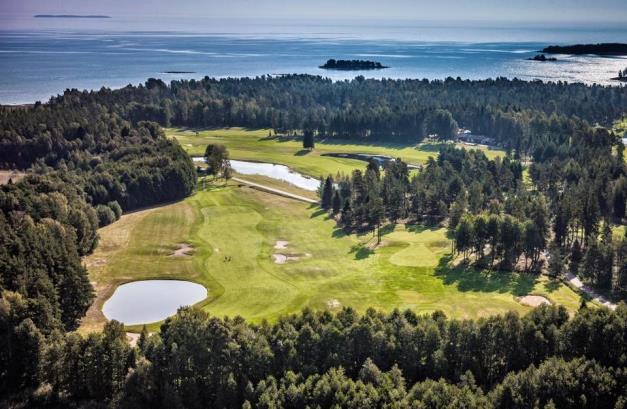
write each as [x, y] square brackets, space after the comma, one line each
[352, 65]
[597, 49]
[179, 72]
[622, 76]
[542, 58]
[69, 16]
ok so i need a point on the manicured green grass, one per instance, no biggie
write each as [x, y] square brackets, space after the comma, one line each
[257, 145]
[409, 270]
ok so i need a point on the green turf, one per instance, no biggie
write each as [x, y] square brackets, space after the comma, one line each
[256, 145]
[410, 269]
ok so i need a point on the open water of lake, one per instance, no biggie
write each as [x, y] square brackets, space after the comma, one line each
[35, 64]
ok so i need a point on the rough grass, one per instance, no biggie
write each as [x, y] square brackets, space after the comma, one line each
[410, 269]
[256, 145]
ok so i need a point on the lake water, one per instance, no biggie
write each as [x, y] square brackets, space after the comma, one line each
[35, 64]
[148, 301]
[278, 172]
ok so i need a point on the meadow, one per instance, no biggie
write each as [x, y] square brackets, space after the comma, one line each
[325, 267]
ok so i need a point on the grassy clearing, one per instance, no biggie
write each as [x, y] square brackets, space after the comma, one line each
[256, 145]
[409, 270]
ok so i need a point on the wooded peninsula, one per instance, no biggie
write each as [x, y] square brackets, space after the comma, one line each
[597, 49]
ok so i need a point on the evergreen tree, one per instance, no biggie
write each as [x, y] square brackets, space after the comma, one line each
[327, 193]
[337, 202]
[556, 261]
[308, 139]
[464, 236]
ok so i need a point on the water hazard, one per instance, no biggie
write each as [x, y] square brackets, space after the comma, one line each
[148, 301]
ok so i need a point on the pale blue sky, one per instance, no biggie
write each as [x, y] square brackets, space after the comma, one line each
[559, 11]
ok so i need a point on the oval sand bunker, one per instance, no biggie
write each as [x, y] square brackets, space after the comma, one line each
[534, 300]
[148, 301]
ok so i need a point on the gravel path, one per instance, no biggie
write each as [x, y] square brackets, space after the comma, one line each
[576, 282]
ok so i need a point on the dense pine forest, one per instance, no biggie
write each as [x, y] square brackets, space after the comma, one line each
[90, 156]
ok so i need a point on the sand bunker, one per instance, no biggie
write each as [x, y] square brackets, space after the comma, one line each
[333, 303]
[281, 244]
[534, 300]
[132, 338]
[282, 258]
[183, 250]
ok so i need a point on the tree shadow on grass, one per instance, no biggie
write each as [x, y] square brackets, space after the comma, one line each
[302, 152]
[361, 251]
[338, 233]
[317, 213]
[469, 279]
[552, 285]
[387, 229]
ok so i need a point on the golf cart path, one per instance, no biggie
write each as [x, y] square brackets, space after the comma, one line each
[275, 191]
[576, 282]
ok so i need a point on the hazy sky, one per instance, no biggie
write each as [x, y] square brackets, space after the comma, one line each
[566, 11]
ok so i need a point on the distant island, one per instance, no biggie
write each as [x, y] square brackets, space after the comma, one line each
[352, 65]
[598, 49]
[179, 72]
[69, 16]
[622, 76]
[542, 58]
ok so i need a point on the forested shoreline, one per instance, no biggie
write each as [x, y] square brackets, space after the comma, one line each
[92, 155]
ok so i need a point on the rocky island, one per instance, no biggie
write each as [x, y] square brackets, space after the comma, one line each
[622, 76]
[597, 49]
[352, 65]
[542, 58]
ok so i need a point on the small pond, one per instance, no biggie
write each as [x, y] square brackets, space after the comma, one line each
[148, 301]
[279, 172]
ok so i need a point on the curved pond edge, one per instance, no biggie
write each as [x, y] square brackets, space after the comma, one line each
[152, 326]
[200, 159]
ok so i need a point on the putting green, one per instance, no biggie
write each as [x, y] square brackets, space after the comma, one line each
[234, 231]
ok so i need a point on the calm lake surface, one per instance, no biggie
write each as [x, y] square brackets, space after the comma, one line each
[279, 172]
[148, 301]
[35, 64]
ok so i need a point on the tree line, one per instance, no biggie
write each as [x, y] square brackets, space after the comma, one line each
[85, 166]
[520, 116]
[323, 359]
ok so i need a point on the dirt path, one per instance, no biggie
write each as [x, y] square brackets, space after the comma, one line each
[275, 191]
[576, 282]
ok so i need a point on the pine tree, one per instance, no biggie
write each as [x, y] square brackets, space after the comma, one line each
[464, 236]
[347, 214]
[556, 261]
[308, 139]
[327, 193]
[143, 337]
[337, 202]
